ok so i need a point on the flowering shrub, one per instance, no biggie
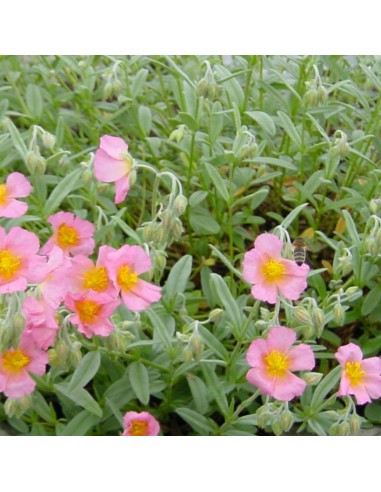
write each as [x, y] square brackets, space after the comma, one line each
[150, 281]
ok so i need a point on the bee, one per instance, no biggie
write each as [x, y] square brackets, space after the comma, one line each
[300, 251]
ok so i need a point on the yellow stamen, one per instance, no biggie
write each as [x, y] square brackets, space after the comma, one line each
[88, 310]
[67, 236]
[3, 194]
[354, 373]
[276, 363]
[9, 264]
[96, 279]
[138, 428]
[126, 278]
[15, 360]
[273, 271]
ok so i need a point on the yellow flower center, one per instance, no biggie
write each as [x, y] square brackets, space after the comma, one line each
[138, 428]
[3, 194]
[354, 373]
[273, 270]
[276, 363]
[9, 264]
[96, 279]
[14, 361]
[67, 236]
[126, 278]
[88, 310]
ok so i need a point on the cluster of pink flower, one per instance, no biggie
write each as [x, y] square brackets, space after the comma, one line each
[272, 360]
[62, 273]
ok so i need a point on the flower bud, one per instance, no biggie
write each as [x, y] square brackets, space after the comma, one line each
[149, 231]
[107, 90]
[338, 314]
[343, 429]
[215, 315]
[17, 407]
[354, 424]
[159, 260]
[177, 230]
[87, 177]
[132, 177]
[61, 353]
[352, 291]
[116, 87]
[32, 161]
[180, 205]
[322, 94]
[302, 315]
[286, 421]
[48, 140]
[309, 332]
[277, 428]
[312, 377]
[197, 346]
[202, 87]
[178, 133]
[371, 245]
[75, 355]
[334, 429]
[311, 98]
[318, 320]
[187, 355]
[116, 341]
[374, 205]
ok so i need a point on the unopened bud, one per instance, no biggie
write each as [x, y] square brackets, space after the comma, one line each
[322, 94]
[202, 87]
[48, 140]
[132, 177]
[61, 353]
[117, 87]
[312, 377]
[311, 98]
[75, 355]
[197, 346]
[115, 341]
[302, 315]
[178, 133]
[187, 355]
[215, 315]
[353, 291]
[318, 320]
[343, 429]
[354, 424]
[180, 205]
[159, 260]
[371, 245]
[338, 314]
[18, 323]
[374, 205]
[286, 421]
[17, 407]
[277, 428]
[87, 177]
[107, 90]
[309, 332]
[177, 230]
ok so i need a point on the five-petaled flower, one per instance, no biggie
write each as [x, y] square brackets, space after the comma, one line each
[273, 360]
[270, 274]
[140, 424]
[16, 186]
[112, 163]
[359, 377]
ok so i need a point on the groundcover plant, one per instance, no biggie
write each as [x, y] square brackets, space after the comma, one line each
[190, 245]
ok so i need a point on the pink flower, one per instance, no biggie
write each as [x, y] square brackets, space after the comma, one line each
[140, 424]
[125, 264]
[71, 233]
[271, 274]
[359, 377]
[112, 163]
[92, 311]
[16, 186]
[41, 321]
[272, 361]
[19, 263]
[17, 364]
[83, 275]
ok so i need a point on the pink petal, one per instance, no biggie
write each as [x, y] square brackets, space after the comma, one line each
[133, 256]
[61, 218]
[260, 379]
[257, 351]
[373, 386]
[114, 146]
[107, 169]
[18, 186]
[349, 352]
[122, 187]
[37, 267]
[268, 293]
[288, 387]
[19, 385]
[301, 358]
[18, 285]
[83, 227]
[22, 243]
[361, 394]
[269, 244]
[281, 338]
[141, 296]
[252, 263]
[86, 248]
[372, 365]
[13, 209]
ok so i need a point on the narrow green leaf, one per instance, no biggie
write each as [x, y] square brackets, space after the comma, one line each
[138, 82]
[68, 184]
[145, 119]
[264, 120]
[292, 215]
[351, 228]
[290, 129]
[80, 424]
[178, 277]
[200, 393]
[256, 198]
[216, 388]
[17, 140]
[273, 161]
[213, 343]
[225, 261]
[371, 301]
[226, 299]
[159, 327]
[81, 397]
[198, 422]
[34, 101]
[233, 88]
[41, 407]
[325, 386]
[115, 411]
[126, 228]
[218, 182]
[86, 370]
[139, 380]
[202, 222]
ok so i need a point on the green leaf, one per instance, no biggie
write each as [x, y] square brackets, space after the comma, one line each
[216, 388]
[80, 424]
[145, 120]
[126, 228]
[199, 392]
[213, 343]
[81, 397]
[138, 82]
[17, 140]
[159, 327]
[198, 422]
[373, 412]
[371, 301]
[226, 299]
[324, 387]
[218, 182]
[273, 161]
[264, 120]
[34, 101]
[292, 215]
[188, 120]
[86, 370]
[351, 228]
[256, 198]
[139, 381]
[225, 261]
[178, 277]
[68, 184]
[115, 411]
[233, 88]
[290, 129]
[40, 406]
[202, 223]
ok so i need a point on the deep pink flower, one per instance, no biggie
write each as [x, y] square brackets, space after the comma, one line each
[19, 263]
[359, 377]
[272, 361]
[41, 321]
[125, 264]
[16, 186]
[92, 311]
[17, 364]
[271, 274]
[112, 163]
[140, 424]
[71, 233]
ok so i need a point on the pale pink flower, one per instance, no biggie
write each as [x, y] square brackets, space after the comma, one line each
[19, 262]
[41, 321]
[16, 186]
[112, 163]
[71, 233]
[359, 377]
[92, 311]
[17, 364]
[140, 424]
[271, 274]
[84, 275]
[272, 361]
[125, 264]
